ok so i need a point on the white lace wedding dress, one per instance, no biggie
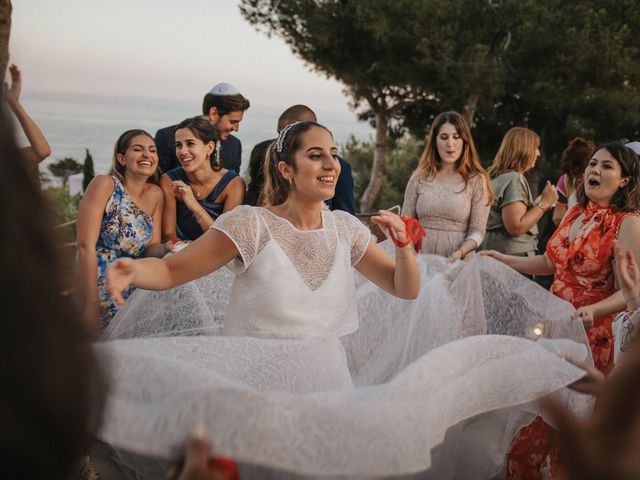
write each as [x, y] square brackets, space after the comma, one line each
[298, 383]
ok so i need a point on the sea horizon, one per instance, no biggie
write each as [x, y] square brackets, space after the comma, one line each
[74, 122]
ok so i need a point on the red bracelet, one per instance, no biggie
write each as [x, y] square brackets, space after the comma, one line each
[225, 466]
[415, 234]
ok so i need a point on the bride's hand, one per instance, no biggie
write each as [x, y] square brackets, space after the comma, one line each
[199, 465]
[385, 219]
[119, 276]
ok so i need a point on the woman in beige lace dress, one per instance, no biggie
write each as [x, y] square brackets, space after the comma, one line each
[450, 192]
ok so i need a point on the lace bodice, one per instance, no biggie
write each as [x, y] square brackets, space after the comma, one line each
[447, 210]
[292, 283]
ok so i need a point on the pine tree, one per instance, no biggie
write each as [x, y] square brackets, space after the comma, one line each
[64, 169]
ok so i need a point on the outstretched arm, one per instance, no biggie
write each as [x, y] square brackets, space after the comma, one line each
[401, 277]
[538, 265]
[208, 253]
[39, 149]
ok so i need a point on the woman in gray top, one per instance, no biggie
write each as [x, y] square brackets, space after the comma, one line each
[512, 224]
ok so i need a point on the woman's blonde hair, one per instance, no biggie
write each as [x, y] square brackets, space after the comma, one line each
[468, 165]
[122, 144]
[517, 151]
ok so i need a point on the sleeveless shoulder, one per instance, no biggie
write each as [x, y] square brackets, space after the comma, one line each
[353, 233]
[247, 230]
[177, 174]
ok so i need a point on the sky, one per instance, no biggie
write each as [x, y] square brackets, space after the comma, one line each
[158, 49]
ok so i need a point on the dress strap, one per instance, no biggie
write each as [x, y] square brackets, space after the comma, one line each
[177, 174]
[222, 184]
[118, 190]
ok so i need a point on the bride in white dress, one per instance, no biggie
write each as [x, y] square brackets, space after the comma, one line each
[293, 384]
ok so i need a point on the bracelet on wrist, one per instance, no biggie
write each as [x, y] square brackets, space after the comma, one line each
[541, 205]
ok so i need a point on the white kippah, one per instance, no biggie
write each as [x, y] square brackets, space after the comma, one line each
[635, 146]
[224, 89]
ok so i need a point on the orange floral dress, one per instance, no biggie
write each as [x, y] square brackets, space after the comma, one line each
[584, 269]
[583, 276]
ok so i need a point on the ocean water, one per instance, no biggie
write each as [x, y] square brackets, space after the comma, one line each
[74, 123]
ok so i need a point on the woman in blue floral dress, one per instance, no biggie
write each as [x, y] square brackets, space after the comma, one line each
[120, 216]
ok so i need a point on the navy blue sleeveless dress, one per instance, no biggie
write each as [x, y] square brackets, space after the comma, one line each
[187, 227]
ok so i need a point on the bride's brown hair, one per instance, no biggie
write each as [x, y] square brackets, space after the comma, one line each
[276, 188]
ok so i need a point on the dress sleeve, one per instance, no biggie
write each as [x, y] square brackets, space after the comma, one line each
[479, 210]
[562, 189]
[245, 229]
[411, 197]
[515, 191]
[357, 234]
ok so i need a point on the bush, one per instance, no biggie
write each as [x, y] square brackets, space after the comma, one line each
[64, 208]
[401, 160]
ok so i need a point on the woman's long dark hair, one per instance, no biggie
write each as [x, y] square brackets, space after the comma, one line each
[204, 131]
[256, 173]
[468, 165]
[627, 197]
[52, 389]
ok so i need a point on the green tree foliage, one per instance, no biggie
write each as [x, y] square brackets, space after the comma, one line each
[373, 47]
[65, 209]
[87, 170]
[402, 159]
[560, 68]
[64, 168]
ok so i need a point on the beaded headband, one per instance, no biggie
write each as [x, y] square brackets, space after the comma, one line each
[283, 135]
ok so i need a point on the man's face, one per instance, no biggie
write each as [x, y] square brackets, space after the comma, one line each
[228, 123]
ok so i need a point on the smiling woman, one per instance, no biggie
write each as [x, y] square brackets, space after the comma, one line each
[198, 191]
[119, 216]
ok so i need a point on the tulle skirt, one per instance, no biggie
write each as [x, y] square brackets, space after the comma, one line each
[431, 388]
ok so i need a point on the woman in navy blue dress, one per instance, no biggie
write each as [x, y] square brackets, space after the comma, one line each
[200, 190]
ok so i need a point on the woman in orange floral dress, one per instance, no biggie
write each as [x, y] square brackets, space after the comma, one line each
[580, 254]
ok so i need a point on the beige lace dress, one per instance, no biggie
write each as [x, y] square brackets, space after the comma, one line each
[449, 212]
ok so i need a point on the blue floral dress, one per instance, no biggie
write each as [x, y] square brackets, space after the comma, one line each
[125, 231]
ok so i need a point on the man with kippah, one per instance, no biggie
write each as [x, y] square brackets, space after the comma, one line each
[224, 106]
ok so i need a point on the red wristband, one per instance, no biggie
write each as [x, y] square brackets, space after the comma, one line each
[415, 234]
[225, 466]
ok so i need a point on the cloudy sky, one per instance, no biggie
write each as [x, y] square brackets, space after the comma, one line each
[158, 49]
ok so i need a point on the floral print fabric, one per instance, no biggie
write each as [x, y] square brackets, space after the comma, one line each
[583, 276]
[584, 269]
[124, 232]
